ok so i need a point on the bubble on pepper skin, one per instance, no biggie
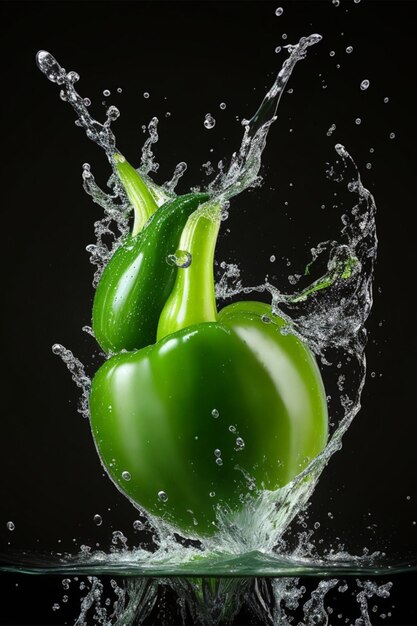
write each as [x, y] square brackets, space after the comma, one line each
[181, 259]
[217, 452]
[98, 520]
[212, 494]
[162, 496]
[232, 428]
[240, 444]
[219, 461]
[266, 319]
[10, 526]
[126, 475]
[215, 413]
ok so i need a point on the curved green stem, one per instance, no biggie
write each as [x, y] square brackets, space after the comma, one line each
[193, 300]
[138, 193]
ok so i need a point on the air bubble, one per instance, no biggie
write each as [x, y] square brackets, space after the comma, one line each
[126, 475]
[209, 121]
[365, 84]
[162, 496]
[98, 520]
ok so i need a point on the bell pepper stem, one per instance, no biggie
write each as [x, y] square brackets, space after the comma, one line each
[138, 193]
[193, 300]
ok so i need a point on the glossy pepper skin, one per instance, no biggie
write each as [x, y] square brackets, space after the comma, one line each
[154, 416]
[137, 280]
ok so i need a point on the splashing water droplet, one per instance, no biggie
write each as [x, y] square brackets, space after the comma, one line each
[146, 94]
[358, 121]
[222, 106]
[50, 67]
[332, 53]
[98, 520]
[278, 49]
[386, 100]
[215, 413]
[392, 135]
[279, 11]
[272, 258]
[336, 3]
[365, 84]
[106, 92]
[138, 525]
[119, 90]
[10, 526]
[126, 475]
[209, 121]
[331, 130]
[349, 49]
[162, 496]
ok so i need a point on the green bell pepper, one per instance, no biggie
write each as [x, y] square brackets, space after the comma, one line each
[221, 404]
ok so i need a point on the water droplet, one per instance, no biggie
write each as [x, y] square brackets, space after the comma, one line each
[209, 121]
[222, 106]
[217, 452]
[386, 99]
[119, 90]
[98, 520]
[392, 135]
[50, 67]
[373, 374]
[181, 258]
[356, 1]
[212, 494]
[332, 53]
[316, 525]
[372, 150]
[162, 496]
[73, 77]
[278, 49]
[349, 49]
[215, 413]
[138, 525]
[240, 444]
[55, 607]
[10, 526]
[219, 461]
[331, 130]
[336, 3]
[106, 92]
[57, 349]
[146, 95]
[365, 84]
[266, 319]
[369, 166]
[113, 113]
[87, 102]
[126, 475]
[279, 11]
[358, 121]
[232, 428]
[284, 35]
[272, 258]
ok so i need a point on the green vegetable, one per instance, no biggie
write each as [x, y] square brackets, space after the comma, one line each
[220, 405]
[137, 280]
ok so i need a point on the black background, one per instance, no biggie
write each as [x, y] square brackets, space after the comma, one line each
[190, 56]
